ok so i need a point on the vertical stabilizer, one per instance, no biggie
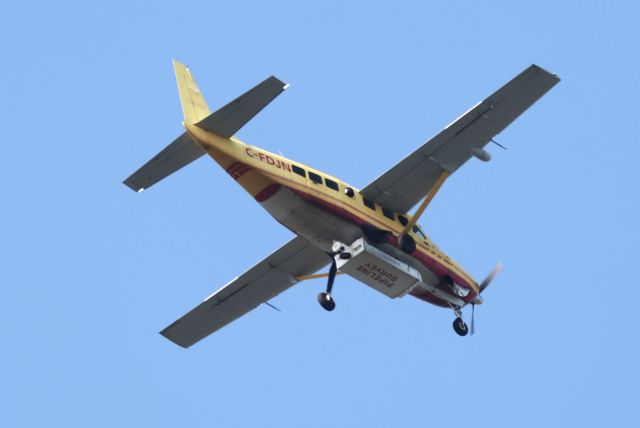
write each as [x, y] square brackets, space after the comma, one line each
[194, 106]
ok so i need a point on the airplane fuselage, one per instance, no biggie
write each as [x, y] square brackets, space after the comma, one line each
[323, 209]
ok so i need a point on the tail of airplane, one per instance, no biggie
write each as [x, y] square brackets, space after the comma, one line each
[194, 106]
[224, 122]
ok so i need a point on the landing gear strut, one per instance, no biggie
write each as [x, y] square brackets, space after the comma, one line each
[325, 299]
[459, 325]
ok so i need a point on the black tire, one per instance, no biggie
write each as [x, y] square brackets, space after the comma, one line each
[407, 244]
[326, 301]
[373, 234]
[460, 327]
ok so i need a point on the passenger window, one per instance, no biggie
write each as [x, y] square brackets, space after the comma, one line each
[331, 184]
[349, 192]
[299, 171]
[388, 214]
[418, 232]
[315, 177]
[403, 220]
[367, 203]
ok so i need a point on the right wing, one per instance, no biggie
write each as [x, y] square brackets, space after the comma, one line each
[405, 184]
[262, 282]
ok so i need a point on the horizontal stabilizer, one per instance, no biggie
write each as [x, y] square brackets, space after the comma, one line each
[181, 152]
[230, 118]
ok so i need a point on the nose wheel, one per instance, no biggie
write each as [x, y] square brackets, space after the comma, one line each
[459, 326]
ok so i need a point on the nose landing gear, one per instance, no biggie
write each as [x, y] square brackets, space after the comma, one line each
[459, 326]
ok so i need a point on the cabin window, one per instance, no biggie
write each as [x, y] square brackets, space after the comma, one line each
[388, 213]
[403, 220]
[301, 172]
[315, 177]
[349, 192]
[418, 232]
[331, 184]
[369, 204]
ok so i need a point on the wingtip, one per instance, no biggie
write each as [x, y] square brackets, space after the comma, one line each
[165, 333]
[132, 186]
[275, 81]
[546, 71]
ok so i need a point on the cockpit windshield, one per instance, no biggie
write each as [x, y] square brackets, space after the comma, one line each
[419, 232]
[416, 229]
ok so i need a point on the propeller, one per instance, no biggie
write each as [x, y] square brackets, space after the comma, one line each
[483, 285]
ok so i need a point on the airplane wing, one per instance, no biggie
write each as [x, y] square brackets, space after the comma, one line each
[262, 282]
[404, 185]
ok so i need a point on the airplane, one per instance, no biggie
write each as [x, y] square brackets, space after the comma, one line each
[367, 234]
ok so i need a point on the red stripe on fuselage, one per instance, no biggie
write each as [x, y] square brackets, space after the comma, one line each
[234, 167]
[239, 172]
[267, 192]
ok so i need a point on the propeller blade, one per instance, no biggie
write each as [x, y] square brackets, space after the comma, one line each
[496, 270]
[473, 318]
[484, 284]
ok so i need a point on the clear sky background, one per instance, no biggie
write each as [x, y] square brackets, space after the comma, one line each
[91, 271]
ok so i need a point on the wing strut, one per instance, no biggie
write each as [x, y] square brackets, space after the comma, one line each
[315, 276]
[445, 174]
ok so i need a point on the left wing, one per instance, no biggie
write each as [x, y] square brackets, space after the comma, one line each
[262, 282]
[401, 187]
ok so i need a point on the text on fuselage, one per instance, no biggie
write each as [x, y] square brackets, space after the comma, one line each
[262, 157]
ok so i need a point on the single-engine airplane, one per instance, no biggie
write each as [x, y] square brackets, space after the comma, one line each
[367, 234]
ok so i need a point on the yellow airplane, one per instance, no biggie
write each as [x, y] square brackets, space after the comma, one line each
[366, 234]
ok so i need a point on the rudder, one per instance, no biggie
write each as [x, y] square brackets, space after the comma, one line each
[194, 106]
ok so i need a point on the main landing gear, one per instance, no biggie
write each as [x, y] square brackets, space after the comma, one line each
[325, 299]
[459, 325]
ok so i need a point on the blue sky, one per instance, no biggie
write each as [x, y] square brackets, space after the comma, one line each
[92, 271]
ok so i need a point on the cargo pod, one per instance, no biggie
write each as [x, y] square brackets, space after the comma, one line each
[383, 272]
[379, 270]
